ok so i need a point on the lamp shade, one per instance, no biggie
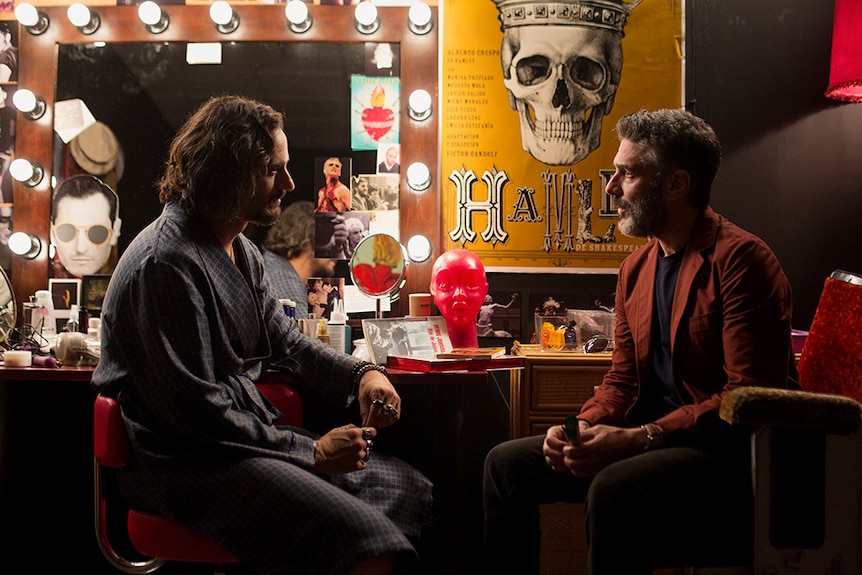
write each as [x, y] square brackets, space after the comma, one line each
[845, 71]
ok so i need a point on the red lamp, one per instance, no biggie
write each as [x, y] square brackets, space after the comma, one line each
[845, 73]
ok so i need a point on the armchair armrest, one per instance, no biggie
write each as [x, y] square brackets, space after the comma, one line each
[823, 412]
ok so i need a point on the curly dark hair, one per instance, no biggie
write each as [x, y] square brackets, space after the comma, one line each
[219, 153]
[293, 232]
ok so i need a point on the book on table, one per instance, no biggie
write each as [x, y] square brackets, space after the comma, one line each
[432, 363]
[406, 336]
[473, 353]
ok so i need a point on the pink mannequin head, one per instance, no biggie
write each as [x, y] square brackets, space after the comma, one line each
[459, 288]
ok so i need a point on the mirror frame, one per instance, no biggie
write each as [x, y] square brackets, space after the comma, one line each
[366, 245]
[420, 212]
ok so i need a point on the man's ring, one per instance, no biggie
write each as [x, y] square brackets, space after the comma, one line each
[366, 434]
[388, 409]
[368, 445]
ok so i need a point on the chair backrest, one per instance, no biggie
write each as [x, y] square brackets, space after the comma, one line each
[831, 360]
[286, 399]
[110, 440]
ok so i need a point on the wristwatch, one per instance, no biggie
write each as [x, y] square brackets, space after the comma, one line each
[654, 435]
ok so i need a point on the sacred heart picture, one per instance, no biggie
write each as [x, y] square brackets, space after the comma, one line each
[374, 111]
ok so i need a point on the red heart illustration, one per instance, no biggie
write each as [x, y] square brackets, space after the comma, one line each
[377, 121]
[378, 278]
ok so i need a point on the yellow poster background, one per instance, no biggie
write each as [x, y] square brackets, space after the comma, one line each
[484, 167]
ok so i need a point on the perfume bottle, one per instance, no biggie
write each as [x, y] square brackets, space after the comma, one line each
[322, 331]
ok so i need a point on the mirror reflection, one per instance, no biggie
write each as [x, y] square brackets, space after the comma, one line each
[379, 266]
[142, 92]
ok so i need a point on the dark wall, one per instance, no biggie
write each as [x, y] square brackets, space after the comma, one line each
[792, 168]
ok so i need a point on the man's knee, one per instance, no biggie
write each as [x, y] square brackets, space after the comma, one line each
[510, 467]
[513, 457]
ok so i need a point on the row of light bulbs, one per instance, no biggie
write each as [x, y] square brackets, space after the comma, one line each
[27, 172]
[226, 20]
[33, 107]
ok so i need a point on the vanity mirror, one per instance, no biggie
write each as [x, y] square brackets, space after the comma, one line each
[297, 69]
[378, 267]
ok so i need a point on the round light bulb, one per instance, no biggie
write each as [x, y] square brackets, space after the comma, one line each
[419, 248]
[418, 176]
[23, 244]
[27, 14]
[420, 14]
[24, 100]
[79, 15]
[296, 11]
[21, 169]
[419, 104]
[150, 13]
[366, 13]
[221, 12]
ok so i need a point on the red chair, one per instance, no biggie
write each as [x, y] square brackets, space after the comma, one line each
[156, 538]
[808, 444]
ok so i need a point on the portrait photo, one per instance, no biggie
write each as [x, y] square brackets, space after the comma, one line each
[337, 235]
[375, 192]
[8, 115]
[382, 59]
[323, 294]
[6, 211]
[65, 293]
[332, 174]
[85, 226]
[389, 158]
[8, 51]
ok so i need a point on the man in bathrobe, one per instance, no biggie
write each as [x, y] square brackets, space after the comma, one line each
[189, 322]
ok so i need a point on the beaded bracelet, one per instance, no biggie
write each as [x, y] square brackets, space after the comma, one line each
[363, 367]
[360, 369]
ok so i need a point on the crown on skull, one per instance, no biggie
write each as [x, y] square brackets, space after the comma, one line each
[606, 14]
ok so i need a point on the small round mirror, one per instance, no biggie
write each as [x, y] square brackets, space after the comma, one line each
[378, 266]
[8, 316]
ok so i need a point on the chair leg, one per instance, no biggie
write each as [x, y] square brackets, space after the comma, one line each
[113, 557]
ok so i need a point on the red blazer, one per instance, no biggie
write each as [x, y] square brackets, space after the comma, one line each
[730, 326]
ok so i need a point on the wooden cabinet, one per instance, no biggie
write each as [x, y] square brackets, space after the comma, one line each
[553, 386]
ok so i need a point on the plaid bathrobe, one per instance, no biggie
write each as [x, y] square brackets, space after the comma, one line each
[185, 334]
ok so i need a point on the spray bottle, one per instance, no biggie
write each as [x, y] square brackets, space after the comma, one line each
[339, 332]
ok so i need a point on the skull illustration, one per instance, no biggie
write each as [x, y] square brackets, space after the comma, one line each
[562, 81]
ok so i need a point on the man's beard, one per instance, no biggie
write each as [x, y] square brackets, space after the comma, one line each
[646, 214]
[264, 219]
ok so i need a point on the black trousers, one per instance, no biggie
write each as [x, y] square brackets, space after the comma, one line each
[669, 507]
